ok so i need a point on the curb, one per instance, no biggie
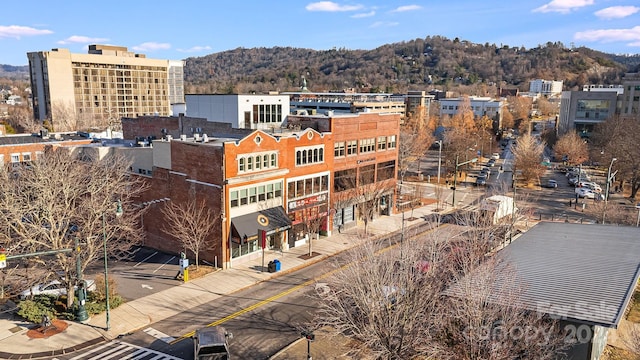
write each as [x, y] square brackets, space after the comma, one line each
[285, 349]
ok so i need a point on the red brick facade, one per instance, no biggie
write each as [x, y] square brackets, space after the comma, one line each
[253, 174]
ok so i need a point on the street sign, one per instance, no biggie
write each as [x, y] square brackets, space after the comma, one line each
[3, 261]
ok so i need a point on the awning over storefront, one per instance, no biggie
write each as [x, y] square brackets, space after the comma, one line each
[272, 220]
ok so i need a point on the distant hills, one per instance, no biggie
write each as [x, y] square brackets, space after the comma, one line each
[14, 72]
[416, 64]
[434, 61]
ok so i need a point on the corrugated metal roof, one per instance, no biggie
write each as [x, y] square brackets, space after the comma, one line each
[576, 271]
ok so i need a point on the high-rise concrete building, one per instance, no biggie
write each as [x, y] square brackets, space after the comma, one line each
[631, 97]
[77, 91]
[545, 87]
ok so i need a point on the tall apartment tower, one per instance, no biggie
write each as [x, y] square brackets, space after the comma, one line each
[79, 91]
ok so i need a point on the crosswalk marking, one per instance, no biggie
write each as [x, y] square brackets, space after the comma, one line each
[118, 350]
[159, 335]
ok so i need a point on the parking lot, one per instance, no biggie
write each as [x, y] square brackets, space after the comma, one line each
[149, 271]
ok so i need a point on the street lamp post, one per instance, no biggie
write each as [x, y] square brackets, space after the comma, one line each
[455, 177]
[638, 221]
[106, 269]
[439, 159]
[606, 194]
[81, 314]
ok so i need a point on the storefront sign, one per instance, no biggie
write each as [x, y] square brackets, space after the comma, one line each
[306, 201]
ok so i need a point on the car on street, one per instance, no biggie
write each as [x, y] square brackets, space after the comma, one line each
[485, 171]
[481, 180]
[551, 184]
[491, 163]
[53, 288]
[495, 156]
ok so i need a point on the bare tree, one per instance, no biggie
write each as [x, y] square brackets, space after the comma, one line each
[64, 198]
[191, 223]
[618, 138]
[573, 147]
[312, 220]
[520, 109]
[507, 120]
[434, 298]
[21, 119]
[372, 188]
[64, 116]
[545, 107]
[528, 157]
[414, 143]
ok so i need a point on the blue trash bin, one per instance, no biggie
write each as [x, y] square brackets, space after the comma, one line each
[277, 264]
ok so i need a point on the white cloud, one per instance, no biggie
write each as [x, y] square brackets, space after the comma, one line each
[616, 12]
[16, 31]
[195, 49]
[379, 24]
[407, 8]
[363, 15]
[78, 39]
[330, 6]
[563, 6]
[631, 36]
[151, 46]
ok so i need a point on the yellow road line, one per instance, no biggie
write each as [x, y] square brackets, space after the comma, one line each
[260, 303]
[278, 296]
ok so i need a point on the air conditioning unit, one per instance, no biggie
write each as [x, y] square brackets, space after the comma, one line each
[183, 137]
[205, 138]
[196, 137]
[169, 137]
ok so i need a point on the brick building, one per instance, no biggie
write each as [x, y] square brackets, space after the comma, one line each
[364, 173]
[243, 176]
[23, 148]
[283, 182]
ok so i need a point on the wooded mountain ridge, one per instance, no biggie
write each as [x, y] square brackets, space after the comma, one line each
[420, 64]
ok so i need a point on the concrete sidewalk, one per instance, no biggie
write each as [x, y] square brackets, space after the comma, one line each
[140, 313]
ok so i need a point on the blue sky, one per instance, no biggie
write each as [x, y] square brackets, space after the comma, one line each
[181, 29]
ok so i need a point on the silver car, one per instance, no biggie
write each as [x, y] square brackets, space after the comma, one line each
[53, 288]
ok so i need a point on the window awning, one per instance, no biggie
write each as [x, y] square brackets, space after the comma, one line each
[271, 220]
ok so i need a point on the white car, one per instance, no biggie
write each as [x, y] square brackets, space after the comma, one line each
[495, 156]
[588, 193]
[54, 288]
[595, 187]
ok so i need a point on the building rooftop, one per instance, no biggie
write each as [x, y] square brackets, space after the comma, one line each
[574, 271]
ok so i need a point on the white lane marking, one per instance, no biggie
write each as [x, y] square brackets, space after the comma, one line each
[145, 286]
[159, 335]
[165, 263]
[145, 259]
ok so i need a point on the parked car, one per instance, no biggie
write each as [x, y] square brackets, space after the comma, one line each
[481, 180]
[485, 171]
[587, 193]
[495, 156]
[53, 288]
[595, 187]
[552, 184]
[491, 163]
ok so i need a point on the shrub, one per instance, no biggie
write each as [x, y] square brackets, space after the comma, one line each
[33, 310]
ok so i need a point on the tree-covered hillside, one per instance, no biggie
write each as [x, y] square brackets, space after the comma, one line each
[419, 64]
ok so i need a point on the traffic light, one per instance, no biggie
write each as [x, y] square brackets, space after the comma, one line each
[309, 335]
